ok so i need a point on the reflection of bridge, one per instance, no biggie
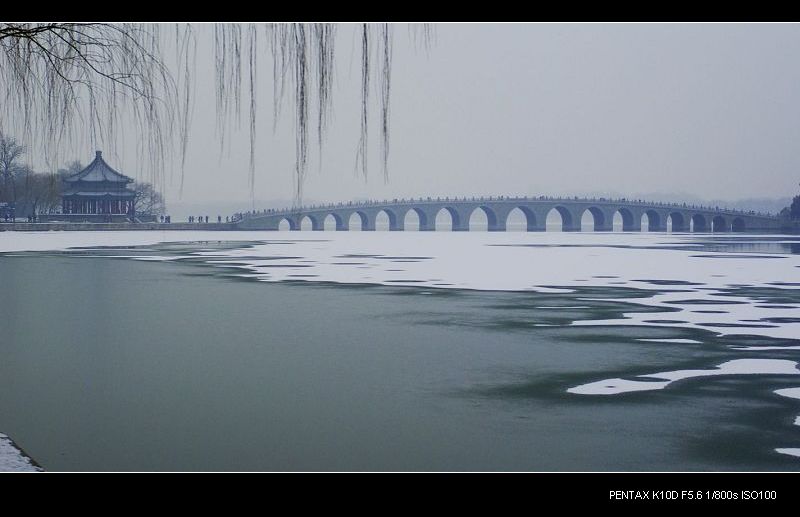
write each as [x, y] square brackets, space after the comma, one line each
[680, 217]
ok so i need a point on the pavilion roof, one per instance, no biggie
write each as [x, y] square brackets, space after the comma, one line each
[98, 171]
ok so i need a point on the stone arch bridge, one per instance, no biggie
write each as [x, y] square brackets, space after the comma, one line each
[682, 217]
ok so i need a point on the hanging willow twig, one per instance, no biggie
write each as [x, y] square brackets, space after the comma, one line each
[252, 60]
[361, 153]
[386, 83]
[59, 81]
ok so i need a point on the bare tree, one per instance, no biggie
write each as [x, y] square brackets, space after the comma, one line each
[147, 200]
[39, 193]
[10, 166]
[71, 168]
[794, 208]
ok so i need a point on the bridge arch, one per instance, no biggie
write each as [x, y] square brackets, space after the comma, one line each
[598, 219]
[738, 225]
[334, 220]
[567, 221]
[391, 217]
[719, 224]
[526, 213]
[446, 212]
[421, 216]
[491, 219]
[629, 222]
[310, 222]
[361, 220]
[288, 224]
[699, 223]
[676, 222]
[653, 221]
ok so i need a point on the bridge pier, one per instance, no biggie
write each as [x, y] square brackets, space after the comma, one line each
[634, 226]
[536, 217]
[699, 223]
[680, 221]
[427, 219]
[720, 225]
[570, 217]
[570, 224]
[396, 223]
[656, 220]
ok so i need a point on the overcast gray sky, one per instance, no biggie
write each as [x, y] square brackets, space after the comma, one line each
[707, 109]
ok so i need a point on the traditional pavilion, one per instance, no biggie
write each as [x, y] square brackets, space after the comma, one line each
[97, 193]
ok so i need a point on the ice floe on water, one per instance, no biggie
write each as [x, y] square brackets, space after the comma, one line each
[12, 459]
[669, 340]
[793, 393]
[661, 380]
[718, 311]
[735, 367]
[766, 348]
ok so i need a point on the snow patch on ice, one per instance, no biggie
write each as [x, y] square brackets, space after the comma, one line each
[668, 340]
[735, 367]
[727, 320]
[564, 307]
[765, 348]
[793, 393]
[790, 451]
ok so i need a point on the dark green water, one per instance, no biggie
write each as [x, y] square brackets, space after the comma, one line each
[114, 364]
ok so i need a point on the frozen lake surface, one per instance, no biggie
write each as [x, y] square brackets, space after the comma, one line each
[491, 336]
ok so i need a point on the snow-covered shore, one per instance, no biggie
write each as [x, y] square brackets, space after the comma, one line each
[12, 459]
